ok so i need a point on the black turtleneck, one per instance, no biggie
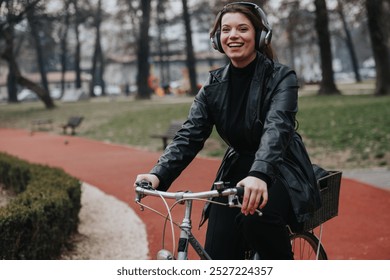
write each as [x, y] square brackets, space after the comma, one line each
[239, 83]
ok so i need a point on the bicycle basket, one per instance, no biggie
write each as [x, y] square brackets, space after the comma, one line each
[329, 191]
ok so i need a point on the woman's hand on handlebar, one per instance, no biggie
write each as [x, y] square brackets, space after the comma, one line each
[255, 194]
[153, 179]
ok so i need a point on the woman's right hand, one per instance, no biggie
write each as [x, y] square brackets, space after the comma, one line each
[153, 179]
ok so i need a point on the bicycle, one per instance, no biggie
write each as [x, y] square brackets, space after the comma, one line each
[305, 244]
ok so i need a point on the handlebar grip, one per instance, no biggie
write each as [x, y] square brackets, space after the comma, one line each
[240, 191]
[144, 184]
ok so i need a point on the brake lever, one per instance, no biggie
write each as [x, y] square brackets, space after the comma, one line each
[145, 185]
[234, 202]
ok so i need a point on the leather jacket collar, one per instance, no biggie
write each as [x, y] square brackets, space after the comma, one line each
[216, 93]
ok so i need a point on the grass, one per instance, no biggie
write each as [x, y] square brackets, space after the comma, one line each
[120, 120]
[356, 125]
[340, 131]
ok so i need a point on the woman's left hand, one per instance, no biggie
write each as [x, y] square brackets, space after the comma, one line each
[255, 191]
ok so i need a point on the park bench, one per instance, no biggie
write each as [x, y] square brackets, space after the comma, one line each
[41, 125]
[73, 123]
[170, 133]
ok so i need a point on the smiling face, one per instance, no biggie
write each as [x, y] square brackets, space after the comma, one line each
[238, 39]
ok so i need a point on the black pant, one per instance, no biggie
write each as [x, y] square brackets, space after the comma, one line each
[230, 234]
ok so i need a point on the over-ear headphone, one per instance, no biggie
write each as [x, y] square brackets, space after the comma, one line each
[263, 37]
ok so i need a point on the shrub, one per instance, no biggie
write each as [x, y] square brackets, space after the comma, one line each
[37, 223]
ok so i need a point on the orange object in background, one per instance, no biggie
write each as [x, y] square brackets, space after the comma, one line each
[159, 91]
[153, 83]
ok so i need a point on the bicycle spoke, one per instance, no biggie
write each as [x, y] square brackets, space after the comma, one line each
[305, 247]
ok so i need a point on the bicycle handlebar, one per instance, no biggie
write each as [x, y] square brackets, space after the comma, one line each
[144, 189]
[141, 191]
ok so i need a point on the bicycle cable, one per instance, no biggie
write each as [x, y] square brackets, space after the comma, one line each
[180, 201]
[168, 216]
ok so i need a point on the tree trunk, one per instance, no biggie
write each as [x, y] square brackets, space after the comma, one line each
[31, 17]
[350, 44]
[11, 85]
[97, 59]
[8, 55]
[292, 23]
[143, 52]
[64, 49]
[191, 61]
[41, 92]
[160, 27]
[376, 21]
[78, 46]
[14, 75]
[327, 85]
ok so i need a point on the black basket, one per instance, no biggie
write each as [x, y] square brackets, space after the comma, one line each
[329, 191]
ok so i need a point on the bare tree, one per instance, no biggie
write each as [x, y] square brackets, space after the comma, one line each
[191, 61]
[130, 14]
[348, 38]
[64, 30]
[327, 85]
[7, 24]
[98, 58]
[163, 45]
[17, 12]
[292, 26]
[377, 17]
[143, 52]
[77, 21]
[34, 17]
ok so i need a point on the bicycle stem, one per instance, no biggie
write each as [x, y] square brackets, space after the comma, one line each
[182, 250]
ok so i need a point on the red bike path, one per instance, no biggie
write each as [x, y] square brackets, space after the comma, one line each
[359, 232]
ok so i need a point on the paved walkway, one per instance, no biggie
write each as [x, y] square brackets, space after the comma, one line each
[359, 232]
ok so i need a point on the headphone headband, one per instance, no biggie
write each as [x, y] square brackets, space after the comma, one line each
[262, 15]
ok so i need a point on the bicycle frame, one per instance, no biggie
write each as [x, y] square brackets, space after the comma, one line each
[186, 237]
[308, 239]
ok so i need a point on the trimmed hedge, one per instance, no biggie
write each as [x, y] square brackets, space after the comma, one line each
[39, 220]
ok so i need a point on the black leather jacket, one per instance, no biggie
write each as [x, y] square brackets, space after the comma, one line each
[270, 115]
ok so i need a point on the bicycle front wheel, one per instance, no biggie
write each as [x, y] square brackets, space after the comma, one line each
[305, 247]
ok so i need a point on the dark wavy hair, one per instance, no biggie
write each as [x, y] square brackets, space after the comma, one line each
[253, 17]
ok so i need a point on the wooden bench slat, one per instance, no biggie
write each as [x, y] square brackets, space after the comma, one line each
[73, 123]
[41, 125]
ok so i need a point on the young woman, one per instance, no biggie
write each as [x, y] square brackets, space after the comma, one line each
[252, 102]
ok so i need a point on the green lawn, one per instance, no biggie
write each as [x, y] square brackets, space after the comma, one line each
[339, 131]
[357, 125]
